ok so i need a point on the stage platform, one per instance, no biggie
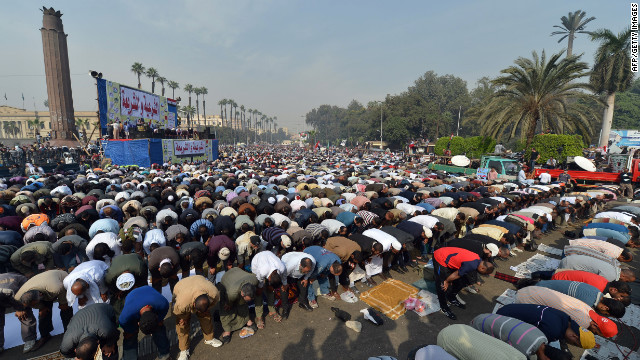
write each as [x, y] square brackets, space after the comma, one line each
[144, 152]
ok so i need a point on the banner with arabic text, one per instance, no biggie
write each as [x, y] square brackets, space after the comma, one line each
[189, 147]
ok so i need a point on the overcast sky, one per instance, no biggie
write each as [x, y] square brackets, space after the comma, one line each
[286, 57]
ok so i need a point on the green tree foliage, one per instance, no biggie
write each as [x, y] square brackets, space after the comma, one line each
[558, 146]
[538, 94]
[472, 147]
[626, 114]
[611, 72]
[427, 108]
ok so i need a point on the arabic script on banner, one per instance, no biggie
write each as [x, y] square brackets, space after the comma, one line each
[189, 147]
[139, 104]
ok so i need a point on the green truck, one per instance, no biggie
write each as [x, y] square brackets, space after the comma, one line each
[507, 168]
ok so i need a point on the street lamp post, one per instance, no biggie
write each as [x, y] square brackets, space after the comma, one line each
[381, 147]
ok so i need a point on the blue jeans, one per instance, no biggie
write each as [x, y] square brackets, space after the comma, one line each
[323, 283]
[130, 345]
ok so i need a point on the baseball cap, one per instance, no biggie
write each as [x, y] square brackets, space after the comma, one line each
[587, 339]
[606, 326]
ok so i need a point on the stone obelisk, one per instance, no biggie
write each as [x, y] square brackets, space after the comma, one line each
[56, 66]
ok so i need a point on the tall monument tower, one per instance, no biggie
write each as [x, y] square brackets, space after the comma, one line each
[56, 66]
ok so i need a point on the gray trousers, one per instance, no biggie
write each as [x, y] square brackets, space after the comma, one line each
[27, 327]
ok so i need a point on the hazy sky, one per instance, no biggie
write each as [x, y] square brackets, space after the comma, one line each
[286, 57]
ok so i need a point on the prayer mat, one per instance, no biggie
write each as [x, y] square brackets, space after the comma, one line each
[52, 356]
[506, 277]
[389, 297]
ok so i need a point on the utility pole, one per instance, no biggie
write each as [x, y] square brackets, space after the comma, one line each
[458, 128]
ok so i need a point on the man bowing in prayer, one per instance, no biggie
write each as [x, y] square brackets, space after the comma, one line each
[194, 294]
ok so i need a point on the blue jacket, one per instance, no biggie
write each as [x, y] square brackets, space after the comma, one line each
[136, 300]
[324, 259]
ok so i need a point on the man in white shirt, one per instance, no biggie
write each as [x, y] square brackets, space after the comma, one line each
[299, 267]
[86, 283]
[272, 272]
[545, 178]
[390, 247]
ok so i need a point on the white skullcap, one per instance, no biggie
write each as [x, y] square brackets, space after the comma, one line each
[493, 248]
[125, 281]
[224, 253]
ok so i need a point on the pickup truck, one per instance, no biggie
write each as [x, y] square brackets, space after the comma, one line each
[594, 176]
[507, 168]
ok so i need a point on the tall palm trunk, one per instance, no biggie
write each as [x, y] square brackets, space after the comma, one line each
[204, 112]
[198, 109]
[570, 44]
[607, 119]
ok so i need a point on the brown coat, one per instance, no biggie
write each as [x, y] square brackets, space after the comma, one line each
[49, 283]
[342, 247]
[187, 290]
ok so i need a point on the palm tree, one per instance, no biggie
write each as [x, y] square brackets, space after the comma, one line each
[263, 121]
[46, 103]
[162, 80]
[572, 24]
[242, 117]
[82, 123]
[138, 69]
[173, 85]
[153, 74]
[197, 92]
[222, 103]
[35, 124]
[7, 127]
[611, 72]
[189, 89]
[187, 111]
[539, 92]
[204, 91]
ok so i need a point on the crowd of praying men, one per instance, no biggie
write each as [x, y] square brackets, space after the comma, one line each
[280, 227]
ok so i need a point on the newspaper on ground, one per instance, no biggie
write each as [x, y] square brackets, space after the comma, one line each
[537, 262]
[550, 250]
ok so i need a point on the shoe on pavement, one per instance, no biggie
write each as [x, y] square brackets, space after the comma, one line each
[471, 289]
[313, 304]
[28, 346]
[460, 299]
[354, 289]
[404, 268]
[305, 306]
[184, 355]
[329, 297]
[213, 342]
[448, 313]
[227, 338]
[457, 303]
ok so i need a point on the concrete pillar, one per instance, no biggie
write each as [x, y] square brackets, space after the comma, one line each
[56, 66]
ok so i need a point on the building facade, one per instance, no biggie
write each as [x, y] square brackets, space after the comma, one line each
[18, 123]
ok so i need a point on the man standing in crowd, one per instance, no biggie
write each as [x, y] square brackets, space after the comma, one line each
[194, 294]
